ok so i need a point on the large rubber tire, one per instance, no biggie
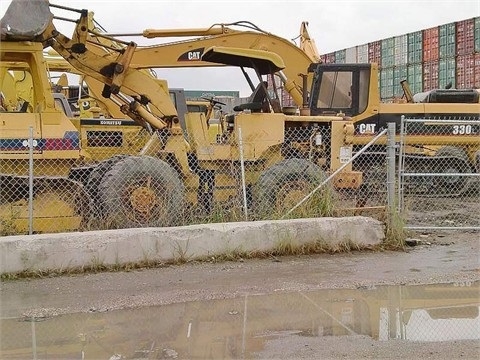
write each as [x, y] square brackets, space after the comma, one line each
[285, 184]
[95, 178]
[455, 161]
[141, 191]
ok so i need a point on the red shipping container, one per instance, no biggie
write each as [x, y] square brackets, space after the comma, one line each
[430, 44]
[286, 100]
[430, 75]
[465, 71]
[465, 37]
[330, 58]
[374, 52]
[476, 70]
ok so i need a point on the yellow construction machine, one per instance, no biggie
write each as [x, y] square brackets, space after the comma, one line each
[73, 187]
[188, 53]
[434, 146]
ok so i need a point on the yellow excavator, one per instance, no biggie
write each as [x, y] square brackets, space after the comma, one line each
[170, 173]
[435, 146]
[188, 53]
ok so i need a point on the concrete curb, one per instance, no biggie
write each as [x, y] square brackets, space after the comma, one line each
[65, 251]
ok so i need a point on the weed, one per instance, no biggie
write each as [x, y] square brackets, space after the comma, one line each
[180, 252]
[395, 233]
[8, 223]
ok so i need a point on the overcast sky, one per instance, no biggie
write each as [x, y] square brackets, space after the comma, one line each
[334, 25]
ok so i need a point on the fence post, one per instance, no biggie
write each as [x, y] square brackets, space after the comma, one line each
[30, 181]
[391, 168]
[242, 168]
[401, 164]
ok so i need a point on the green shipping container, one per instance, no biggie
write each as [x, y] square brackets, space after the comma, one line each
[415, 47]
[386, 83]
[387, 52]
[447, 40]
[399, 74]
[415, 78]
[340, 56]
[446, 72]
[477, 34]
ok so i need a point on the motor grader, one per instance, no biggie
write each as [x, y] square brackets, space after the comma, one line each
[153, 187]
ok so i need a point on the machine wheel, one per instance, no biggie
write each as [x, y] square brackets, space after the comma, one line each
[285, 184]
[59, 205]
[96, 176]
[454, 160]
[141, 191]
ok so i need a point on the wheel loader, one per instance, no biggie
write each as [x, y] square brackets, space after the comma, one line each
[73, 189]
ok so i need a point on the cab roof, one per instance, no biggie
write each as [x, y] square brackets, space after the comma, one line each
[266, 62]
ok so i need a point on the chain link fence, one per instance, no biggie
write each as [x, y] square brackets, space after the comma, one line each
[238, 328]
[128, 177]
[439, 173]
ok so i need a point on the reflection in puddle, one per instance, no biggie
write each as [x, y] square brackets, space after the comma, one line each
[235, 328]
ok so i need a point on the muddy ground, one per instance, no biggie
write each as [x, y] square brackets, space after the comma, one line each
[439, 257]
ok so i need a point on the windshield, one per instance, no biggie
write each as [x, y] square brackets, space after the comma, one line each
[342, 90]
[335, 90]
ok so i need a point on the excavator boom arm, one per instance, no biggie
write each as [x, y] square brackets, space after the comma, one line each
[110, 68]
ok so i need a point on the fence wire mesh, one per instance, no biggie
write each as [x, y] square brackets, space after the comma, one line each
[127, 177]
[237, 328]
[439, 173]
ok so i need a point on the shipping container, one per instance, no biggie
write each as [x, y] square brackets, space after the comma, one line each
[351, 55]
[466, 71]
[430, 75]
[415, 47]
[446, 72]
[362, 54]
[429, 59]
[465, 34]
[374, 51]
[446, 47]
[476, 84]
[340, 56]
[415, 77]
[399, 74]
[386, 83]
[430, 44]
[477, 34]
[286, 99]
[330, 58]
[401, 52]
[387, 52]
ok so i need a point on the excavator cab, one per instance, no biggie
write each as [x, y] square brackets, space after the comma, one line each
[263, 62]
[340, 88]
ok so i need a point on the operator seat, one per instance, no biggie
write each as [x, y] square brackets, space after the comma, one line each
[257, 100]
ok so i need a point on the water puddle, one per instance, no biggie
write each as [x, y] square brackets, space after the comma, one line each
[237, 328]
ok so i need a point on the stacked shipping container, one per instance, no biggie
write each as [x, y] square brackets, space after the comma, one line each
[427, 59]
